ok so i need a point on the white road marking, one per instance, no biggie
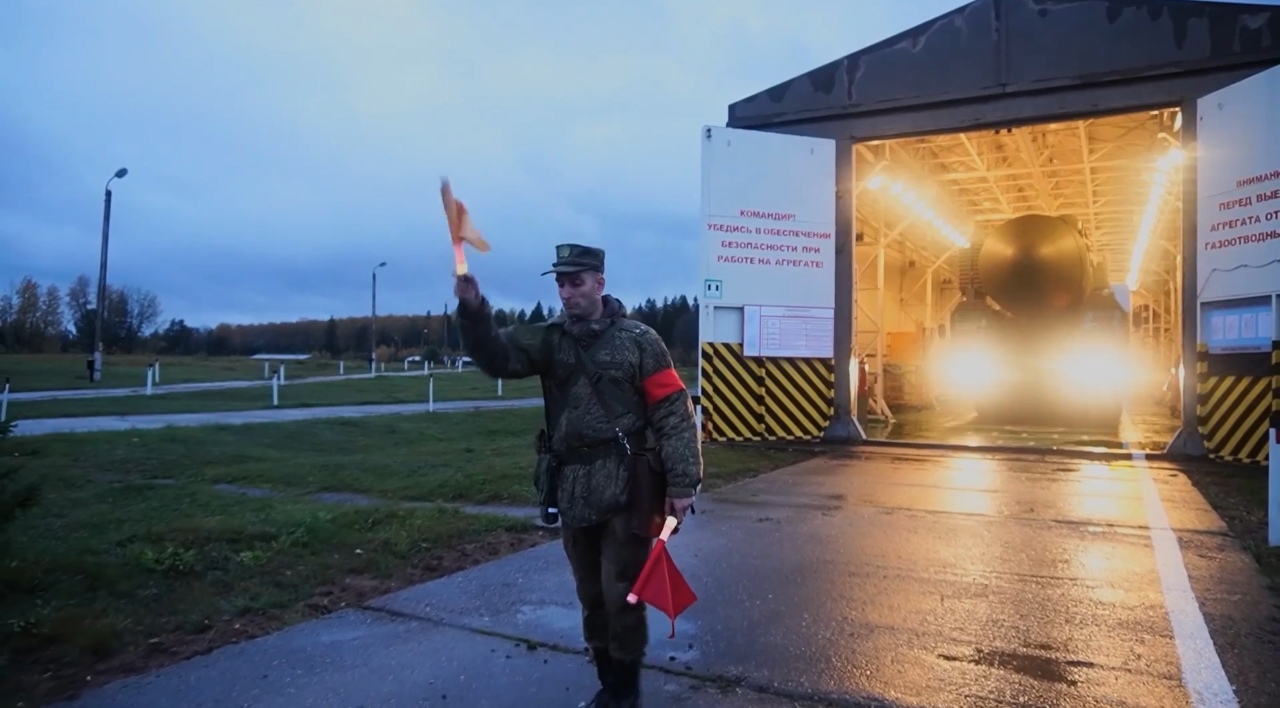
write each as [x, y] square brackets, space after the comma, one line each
[1202, 672]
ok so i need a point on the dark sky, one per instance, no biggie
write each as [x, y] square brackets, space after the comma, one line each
[278, 151]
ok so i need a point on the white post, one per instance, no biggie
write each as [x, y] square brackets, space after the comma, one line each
[406, 364]
[499, 388]
[383, 366]
[341, 367]
[266, 369]
[4, 401]
[157, 371]
[281, 372]
[431, 393]
[149, 375]
[426, 365]
[1273, 489]
[275, 391]
[373, 367]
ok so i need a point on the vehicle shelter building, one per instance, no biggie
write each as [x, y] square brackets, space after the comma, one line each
[852, 213]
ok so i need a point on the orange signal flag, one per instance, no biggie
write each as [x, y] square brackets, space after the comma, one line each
[661, 584]
[461, 228]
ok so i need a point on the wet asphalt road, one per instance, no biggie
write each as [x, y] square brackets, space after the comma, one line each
[1144, 426]
[876, 578]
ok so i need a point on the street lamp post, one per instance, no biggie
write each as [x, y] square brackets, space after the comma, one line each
[373, 323]
[102, 276]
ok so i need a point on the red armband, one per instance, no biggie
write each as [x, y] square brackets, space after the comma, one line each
[660, 385]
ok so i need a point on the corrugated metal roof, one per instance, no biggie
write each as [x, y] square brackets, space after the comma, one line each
[1001, 47]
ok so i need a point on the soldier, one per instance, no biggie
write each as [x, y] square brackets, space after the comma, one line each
[627, 391]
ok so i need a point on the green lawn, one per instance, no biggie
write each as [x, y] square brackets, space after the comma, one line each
[58, 372]
[449, 386]
[133, 560]
[467, 385]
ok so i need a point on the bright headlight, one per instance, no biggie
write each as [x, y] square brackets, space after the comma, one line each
[1093, 369]
[968, 370]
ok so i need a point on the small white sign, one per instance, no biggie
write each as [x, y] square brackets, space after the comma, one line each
[798, 332]
[713, 289]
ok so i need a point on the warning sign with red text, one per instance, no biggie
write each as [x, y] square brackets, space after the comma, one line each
[768, 219]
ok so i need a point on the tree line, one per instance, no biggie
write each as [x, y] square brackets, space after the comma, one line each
[44, 319]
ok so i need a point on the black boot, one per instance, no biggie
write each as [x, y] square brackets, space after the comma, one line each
[626, 686]
[605, 670]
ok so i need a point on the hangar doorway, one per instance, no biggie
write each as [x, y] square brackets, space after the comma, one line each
[1021, 285]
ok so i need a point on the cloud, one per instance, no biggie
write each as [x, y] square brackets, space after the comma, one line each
[278, 151]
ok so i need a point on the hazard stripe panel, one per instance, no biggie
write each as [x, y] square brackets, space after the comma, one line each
[1275, 391]
[799, 396]
[732, 393]
[1233, 412]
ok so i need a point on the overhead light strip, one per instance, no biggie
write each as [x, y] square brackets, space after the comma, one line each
[1164, 170]
[912, 201]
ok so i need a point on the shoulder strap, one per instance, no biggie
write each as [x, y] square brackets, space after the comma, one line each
[593, 381]
[552, 417]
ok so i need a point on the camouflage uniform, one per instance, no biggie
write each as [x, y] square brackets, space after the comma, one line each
[606, 556]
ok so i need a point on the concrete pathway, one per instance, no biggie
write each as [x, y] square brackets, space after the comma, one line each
[45, 426]
[869, 578]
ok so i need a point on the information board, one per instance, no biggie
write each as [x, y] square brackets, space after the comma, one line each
[768, 219]
[799, 332]
[1238, 187]
[1237, 326]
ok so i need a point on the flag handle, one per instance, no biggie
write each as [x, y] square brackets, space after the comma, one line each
[459, 259]
[667, 528]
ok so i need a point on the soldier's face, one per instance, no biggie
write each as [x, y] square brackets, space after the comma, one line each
[581, 293]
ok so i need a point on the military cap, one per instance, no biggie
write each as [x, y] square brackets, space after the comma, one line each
[575, 258]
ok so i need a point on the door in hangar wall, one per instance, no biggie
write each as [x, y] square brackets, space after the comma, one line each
[1238, 267]
[767, 296]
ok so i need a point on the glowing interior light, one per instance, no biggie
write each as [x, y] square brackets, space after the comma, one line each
[920, 207]
[1159, 183]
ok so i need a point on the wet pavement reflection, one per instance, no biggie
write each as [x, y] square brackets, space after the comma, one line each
[1143, 427]
[939, 580]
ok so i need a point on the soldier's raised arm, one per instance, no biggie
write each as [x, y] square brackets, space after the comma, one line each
[670, 412]
[514, 352]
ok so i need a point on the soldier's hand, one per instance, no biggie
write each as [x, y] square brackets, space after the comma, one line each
[678, 507]
[466, 289]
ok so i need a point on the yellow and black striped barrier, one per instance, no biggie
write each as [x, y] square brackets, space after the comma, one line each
[798, 398]
[752, 398]
[1234, 410]
[731, 394]
[1275, 391]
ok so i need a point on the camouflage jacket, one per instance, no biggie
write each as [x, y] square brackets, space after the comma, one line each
[635, 359]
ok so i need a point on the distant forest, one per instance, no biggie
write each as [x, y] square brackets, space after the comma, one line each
[37, 318]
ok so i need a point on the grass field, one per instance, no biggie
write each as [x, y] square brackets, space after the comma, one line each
[467, 385]
[59, 372]
[450, 386]
[134, 559]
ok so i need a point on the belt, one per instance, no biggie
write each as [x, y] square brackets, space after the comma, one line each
[592, 454]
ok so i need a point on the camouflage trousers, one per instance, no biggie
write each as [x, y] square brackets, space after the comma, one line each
[606, 559]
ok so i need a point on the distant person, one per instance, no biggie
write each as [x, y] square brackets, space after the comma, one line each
[636, 404]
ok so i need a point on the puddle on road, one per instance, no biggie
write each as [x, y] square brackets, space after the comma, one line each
[1035, 666]
[551, 616]
[568, 620]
